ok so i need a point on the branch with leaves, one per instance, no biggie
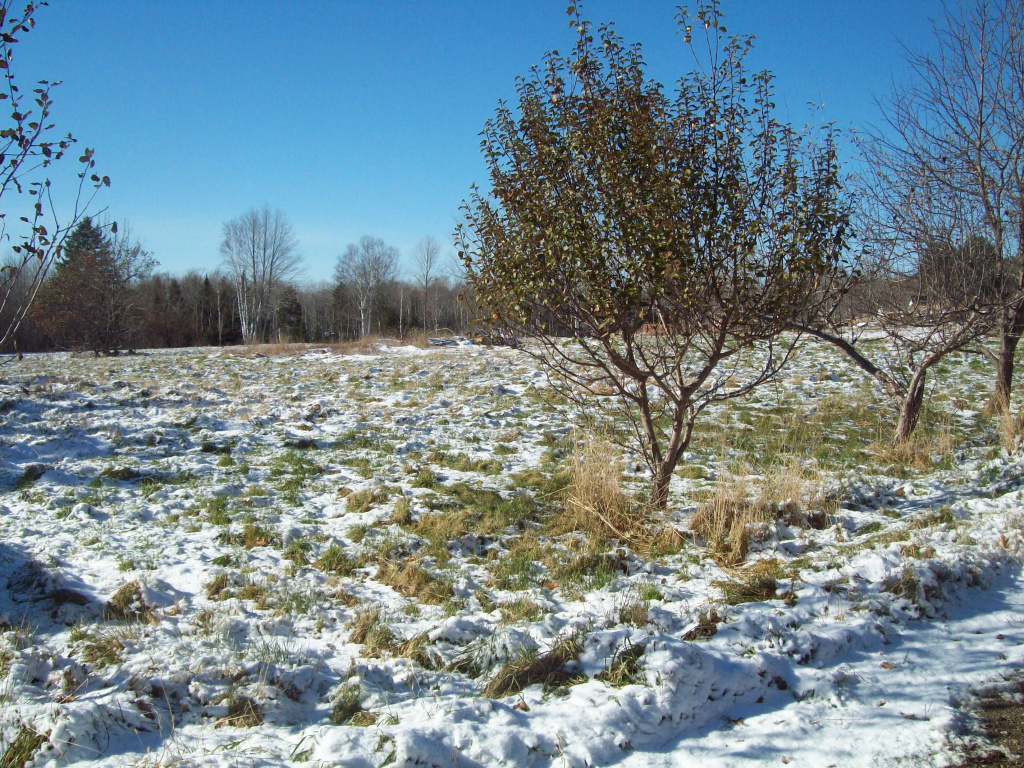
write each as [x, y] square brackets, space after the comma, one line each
[28, 150]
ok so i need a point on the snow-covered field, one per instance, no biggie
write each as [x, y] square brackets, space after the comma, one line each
[210, 558]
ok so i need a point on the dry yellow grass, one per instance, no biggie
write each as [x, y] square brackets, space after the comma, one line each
[410, 579]
[925, 448]
[594, 500]
[728, 518]
[1010, 429]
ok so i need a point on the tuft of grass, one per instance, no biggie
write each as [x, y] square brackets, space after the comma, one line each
[905, 584]
[208, 446]
[532, 668]
[520, 567]
[345, 704]
[217, 510]
[707, 626]
[102, 650]
[124, 474]
[426, 478]
[216, 586]
[369, 630]
[362, 501]
[520, 609]
[417, 648]
[930, 445]
[401, 514]
[1010, 428]
[28, 477]
[634, 612]
[594, 500]
[363, 719]
[23, 748]
[128, 604]
[334, 560]
[412, 580]
[243, 712]
[756, 588]
[723, 521]
[624, 667]
[941, 516]
[297, 552]
[460, 462]
[256, 535]
[785, 490]
[588, 570]
[257, 591]
[650, 592]
[301, 443]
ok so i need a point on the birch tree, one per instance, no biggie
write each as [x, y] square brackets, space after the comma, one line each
[426, 257]
[367, 270]
[260, 252]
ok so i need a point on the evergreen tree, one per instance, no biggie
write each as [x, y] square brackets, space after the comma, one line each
[89, 301]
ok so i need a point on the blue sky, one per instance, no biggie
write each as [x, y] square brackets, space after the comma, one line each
[358, 117]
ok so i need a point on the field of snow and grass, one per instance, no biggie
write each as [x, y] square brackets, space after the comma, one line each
[217, 558]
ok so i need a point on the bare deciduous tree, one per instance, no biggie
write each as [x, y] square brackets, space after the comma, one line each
[259, 250]
[28, 148]
[367, 270]
[959, 125]
[941, 209]
[927, 281]
[653, 248]
[426, 257]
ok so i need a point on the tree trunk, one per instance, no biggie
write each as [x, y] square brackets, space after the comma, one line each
[659, 487]
[1009, 340]
[911, 408]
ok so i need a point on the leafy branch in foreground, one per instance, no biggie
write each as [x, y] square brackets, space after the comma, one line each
[28, 148]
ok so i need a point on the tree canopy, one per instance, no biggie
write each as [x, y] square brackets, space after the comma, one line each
[663, 235]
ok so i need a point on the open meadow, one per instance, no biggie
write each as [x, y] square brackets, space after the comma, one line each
[413, 556]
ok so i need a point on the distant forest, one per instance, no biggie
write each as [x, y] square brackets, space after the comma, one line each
[104, 295]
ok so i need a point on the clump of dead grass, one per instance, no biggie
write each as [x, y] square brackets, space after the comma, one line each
[735, 511]
[418, 648]
[624, 668]
[706, 627]
[23, 748]
[411, 579]
[520, 609]
[1010, 429]
[128, 604]
[594, 500]
[369, 629]
[752, 588]
[531, 668]
[634, 611]
[724, 521]
[930, 444]
[905, 584]
[243, 712]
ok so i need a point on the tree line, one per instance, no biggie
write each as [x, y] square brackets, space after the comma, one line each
[105, 295]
